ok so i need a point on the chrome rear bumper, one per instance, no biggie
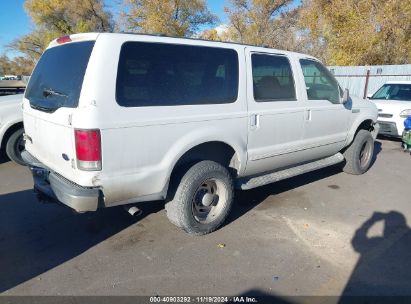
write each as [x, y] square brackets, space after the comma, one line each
[56, 187]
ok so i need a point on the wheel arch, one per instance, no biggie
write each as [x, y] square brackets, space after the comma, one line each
[215, 150]
[362, 124]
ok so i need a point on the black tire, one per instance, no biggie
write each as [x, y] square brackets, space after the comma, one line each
[14, 147]
[203, 199]
[358, 156]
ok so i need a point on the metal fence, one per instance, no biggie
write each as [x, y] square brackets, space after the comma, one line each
[364, 80]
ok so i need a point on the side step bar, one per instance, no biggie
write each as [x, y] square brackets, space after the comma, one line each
[254, 182]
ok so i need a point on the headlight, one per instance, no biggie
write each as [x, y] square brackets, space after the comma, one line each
[405, 113]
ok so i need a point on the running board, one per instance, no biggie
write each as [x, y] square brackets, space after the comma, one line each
[254, 182]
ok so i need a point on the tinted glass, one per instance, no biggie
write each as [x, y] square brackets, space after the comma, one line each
[272, 78]
[57, 79]
[394, 92]
[155, 74]
[319, 82]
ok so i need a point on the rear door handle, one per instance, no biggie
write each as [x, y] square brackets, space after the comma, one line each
[255, 120]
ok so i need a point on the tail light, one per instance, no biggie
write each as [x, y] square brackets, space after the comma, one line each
[88, 149]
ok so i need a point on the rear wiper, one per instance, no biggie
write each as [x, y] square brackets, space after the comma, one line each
[51, 92]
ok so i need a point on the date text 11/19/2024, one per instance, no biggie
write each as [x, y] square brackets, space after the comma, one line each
[184, 299]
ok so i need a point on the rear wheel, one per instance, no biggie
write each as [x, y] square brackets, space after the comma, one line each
[358, 155]
[203, 198]
[14, 147]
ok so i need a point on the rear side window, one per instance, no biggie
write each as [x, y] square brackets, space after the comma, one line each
[272, 78]
[156, 74]
[58, 77]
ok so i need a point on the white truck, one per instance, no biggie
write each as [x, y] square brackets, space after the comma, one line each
[116, 119]
[11, 127]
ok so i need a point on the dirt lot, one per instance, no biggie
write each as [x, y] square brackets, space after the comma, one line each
[323, 233]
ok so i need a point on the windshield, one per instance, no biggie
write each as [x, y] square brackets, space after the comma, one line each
[394, 91]
[57, 79]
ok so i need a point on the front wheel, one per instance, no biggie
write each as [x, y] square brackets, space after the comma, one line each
[358, 156]
[203, 198]
[14, 147]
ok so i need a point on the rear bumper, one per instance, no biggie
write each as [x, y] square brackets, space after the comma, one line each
[56, 187]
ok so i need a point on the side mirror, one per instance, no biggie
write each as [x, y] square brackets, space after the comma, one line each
[346, 96]
[369, 95]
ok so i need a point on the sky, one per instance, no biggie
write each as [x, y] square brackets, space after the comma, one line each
[15, 22]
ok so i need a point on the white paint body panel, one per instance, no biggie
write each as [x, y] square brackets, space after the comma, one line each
[141, 145]
[10, 113]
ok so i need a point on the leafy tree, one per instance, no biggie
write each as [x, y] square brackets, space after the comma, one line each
[360, 32]
[181, 18]
[68, 17]
[262, 22]
[210, 34]
[54, 18]
[17, 66]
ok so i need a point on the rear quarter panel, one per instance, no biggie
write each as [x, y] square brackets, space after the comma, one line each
[141, 145]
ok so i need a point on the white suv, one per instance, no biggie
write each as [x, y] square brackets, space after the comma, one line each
[114, 119]
[393, 101]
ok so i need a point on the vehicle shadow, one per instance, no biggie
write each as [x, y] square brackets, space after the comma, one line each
[377, 150]
[384, 265]
[247, 200]
[3, 157]
[35, 237]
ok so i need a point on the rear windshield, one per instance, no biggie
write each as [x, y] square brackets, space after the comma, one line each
[57, 79]
[157, 74]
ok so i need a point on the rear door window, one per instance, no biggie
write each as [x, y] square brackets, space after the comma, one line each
[272, 78]
[58, 77]
[157, 74]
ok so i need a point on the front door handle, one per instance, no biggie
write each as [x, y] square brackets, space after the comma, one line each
[308, 115]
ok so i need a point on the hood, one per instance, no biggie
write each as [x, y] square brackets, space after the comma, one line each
[391, 106]
[11, 99]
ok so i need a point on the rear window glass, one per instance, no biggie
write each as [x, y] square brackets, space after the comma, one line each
[58, 77]
[272, 78]
[156, 74]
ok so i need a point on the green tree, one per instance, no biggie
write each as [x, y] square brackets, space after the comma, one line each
[54, 18]
[210, 34]
[262, 22]
[17, 66]
[360, 32]
[181, 18]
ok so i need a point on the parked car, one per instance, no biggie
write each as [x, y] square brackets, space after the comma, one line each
[115, 119]
[393, 101]
[11, 127]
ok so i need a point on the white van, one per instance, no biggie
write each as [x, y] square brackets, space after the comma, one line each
[115, 119]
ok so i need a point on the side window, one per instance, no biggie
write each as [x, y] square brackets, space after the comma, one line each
[159, 74]
[319, 82]
[272, 78]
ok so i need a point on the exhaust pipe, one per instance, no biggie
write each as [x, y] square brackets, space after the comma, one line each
[133, 210]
